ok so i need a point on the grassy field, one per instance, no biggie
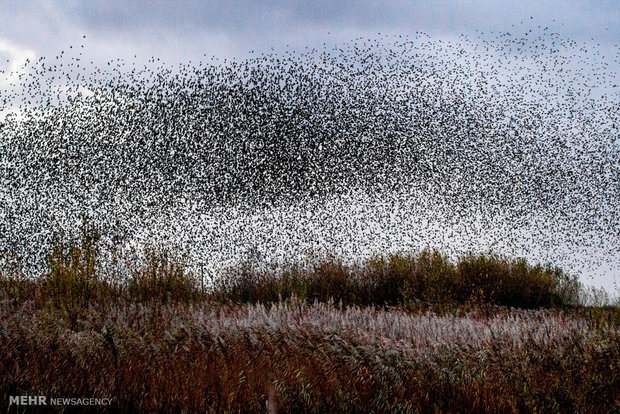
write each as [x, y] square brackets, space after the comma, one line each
[401, 333]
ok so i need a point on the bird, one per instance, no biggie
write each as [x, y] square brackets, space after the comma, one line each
[375, 144]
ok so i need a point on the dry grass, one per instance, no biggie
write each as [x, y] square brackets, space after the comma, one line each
[312, 358]
[404, 333]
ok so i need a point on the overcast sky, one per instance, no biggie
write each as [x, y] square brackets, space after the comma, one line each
[178, 31]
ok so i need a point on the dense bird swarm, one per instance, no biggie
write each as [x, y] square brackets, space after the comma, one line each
[508, 143]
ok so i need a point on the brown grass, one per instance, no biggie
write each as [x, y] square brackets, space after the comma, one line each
[402, 333]
[312, 358]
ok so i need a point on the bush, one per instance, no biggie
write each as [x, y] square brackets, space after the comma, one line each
[514, 283]
[72, 282]
[412, 280]
[428, 279]
[163, 279]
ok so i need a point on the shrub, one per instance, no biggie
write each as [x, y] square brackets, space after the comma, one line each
[505, 282]
[163, 279]
[434, 279]
[428, 279]
[420, 280]
[72, 282]
[16, 287]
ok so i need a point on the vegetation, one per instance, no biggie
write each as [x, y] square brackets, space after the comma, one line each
[410, 280]
[402, 333]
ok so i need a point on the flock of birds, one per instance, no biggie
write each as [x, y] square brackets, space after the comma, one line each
[509, 143]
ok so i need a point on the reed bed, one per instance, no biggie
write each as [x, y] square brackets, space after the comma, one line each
[309, 340]
[319, 357]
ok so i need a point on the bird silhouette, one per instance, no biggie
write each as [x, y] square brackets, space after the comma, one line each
[376, 145]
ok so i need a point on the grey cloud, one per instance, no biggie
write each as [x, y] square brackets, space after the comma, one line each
[181, 30]
[239, 17]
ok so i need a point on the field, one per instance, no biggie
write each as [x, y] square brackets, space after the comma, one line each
[401, 333]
